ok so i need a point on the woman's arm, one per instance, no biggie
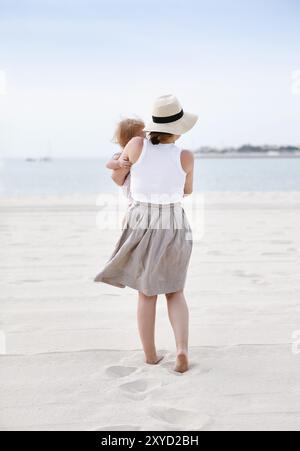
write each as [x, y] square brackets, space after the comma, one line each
[188, 162]
[134, 149]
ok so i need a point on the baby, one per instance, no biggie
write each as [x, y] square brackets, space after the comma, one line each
[126, 130]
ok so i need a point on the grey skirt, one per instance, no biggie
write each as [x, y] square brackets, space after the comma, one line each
[153, 253]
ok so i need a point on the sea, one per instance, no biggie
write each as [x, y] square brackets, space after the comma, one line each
[21, 178]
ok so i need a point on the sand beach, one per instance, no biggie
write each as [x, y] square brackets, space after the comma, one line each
[70, 353]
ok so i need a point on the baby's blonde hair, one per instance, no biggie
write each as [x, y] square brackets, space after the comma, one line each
[128, 129]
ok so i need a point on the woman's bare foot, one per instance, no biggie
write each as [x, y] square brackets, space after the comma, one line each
[155, 360]
[182, 363]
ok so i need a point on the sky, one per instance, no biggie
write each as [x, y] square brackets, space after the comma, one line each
[70, 70]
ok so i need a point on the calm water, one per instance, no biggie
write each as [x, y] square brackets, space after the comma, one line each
[72, 177]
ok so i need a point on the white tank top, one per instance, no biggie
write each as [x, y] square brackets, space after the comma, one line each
[158, 177]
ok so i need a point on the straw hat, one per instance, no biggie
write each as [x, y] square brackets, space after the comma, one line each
[169, 117]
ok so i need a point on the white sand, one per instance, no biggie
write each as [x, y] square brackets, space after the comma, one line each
[73, 358]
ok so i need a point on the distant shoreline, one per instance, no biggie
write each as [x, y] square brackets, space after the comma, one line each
[249, 151]
[229, 156]
[198, 156]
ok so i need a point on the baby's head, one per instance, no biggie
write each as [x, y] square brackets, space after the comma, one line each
[128, 129]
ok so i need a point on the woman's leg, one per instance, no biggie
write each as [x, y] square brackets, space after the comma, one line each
[179, 318]
[146, 323]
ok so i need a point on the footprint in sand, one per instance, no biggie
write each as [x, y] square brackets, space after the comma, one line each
[246, 274]
[183, 419]
[272, 254]
[259, 281]
[292, 250]
[120, 371]
[285, 242]
[140, 387]
[29, 281]
[215, 253]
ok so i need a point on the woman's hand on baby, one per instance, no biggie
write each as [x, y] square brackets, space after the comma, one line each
[124, 163]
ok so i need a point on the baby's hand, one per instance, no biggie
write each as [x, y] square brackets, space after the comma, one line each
[124, 163]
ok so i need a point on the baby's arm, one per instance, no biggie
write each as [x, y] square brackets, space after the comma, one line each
[119, 176]
[130, 154]
[119, 161]
[114, 162]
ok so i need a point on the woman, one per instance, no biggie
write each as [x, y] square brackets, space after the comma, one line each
[153, 253]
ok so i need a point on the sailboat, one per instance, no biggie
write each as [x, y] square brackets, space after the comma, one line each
[47, 158]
